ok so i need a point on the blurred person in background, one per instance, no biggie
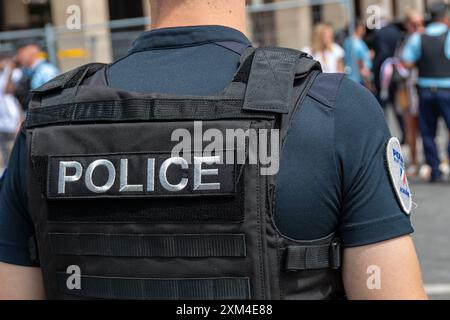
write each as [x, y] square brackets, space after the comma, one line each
[9, 110]
[414, 24]
[430, 52]
[36, 71]
[325, 50]
[357, 56]
[385, 43]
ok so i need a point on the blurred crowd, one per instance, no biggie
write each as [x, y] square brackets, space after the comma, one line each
[20, 73]
[406, 64]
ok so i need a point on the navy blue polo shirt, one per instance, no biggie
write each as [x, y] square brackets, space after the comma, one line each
[332, 178]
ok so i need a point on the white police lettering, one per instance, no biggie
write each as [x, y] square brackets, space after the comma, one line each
[63, 177]
[163, 174]
[71, 172]
[199, 172]
[90, 172]
[124, 186]
[397, 172]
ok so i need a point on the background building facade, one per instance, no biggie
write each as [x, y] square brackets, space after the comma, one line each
[106, 35]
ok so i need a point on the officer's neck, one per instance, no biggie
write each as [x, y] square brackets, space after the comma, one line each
[198, 13]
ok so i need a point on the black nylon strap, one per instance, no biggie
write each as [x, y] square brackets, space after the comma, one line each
[139, 110]
[301, 90]
[158, 289]
[162, 246]
[301, 258]
[271, 80]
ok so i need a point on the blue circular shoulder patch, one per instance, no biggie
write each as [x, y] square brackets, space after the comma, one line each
[397, 172]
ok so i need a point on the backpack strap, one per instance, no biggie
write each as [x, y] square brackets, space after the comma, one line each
[270, 86]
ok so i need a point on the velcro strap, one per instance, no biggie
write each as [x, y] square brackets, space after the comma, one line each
[157, 289]
[162, 246]
[315, 257]
[271, 81]
[305, 65]
[138, 110]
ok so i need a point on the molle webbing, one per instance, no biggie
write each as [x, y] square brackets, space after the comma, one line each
[164, 246]
[159, 289]
[269, 73]
[141, 110]
[313, 257]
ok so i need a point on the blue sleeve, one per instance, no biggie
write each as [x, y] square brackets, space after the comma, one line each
[370, 212]
[16, 227]
[44, 74]
[447, 46]
[412, 50]
[366, 56]
[360, 52]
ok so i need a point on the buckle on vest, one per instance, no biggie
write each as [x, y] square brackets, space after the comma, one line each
[335, 254]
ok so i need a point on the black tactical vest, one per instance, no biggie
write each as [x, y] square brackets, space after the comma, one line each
[433, 62]
[112, 204]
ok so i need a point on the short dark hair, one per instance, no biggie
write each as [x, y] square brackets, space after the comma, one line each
[438, 11]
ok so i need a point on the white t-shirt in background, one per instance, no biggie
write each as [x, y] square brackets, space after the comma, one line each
[329, 59]
[9, 107]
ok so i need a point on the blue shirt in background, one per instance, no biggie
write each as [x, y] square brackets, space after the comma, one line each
[413, 50]
[41, 73]
[332, 177]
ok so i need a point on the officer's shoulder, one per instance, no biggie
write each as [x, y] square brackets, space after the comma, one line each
[325, 88]
[358, 116]
[350, 101]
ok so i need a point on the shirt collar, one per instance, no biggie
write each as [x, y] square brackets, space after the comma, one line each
[186, 36]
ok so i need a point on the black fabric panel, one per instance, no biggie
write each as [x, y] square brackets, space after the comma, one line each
[187, 210]
[153, 210]
[158, 289]
[433, 62]
[243, 73]
[270, 86]
[162, 246]
[132, 110]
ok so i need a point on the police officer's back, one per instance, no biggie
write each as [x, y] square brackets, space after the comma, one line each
[106, 194]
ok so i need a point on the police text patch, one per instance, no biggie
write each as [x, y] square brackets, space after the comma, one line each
[138, 175]
[397, 173]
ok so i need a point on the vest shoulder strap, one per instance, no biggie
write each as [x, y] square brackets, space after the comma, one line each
[273, 74]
